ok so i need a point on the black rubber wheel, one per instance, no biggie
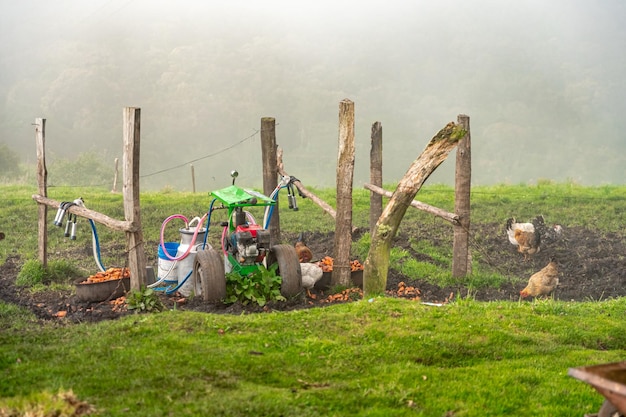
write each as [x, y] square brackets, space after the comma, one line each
[209, 278]
[288, 269]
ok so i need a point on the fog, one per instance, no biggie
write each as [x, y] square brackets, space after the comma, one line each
[541, 82]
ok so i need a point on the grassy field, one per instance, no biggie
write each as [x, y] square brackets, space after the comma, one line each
[368, 358]
[374, 357]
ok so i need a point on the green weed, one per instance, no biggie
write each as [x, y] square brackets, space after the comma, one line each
[144, 301]
[258, 287]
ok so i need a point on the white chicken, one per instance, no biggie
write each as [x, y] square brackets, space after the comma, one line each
[311, 273]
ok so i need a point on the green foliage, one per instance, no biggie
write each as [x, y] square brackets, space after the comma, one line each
[259, 287]
[144, 301]
[59, 271]
[88, 169]
[9, 162]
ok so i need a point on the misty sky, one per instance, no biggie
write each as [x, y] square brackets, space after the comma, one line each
[541, 82]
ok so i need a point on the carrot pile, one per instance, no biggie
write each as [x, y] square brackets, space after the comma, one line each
[327, 264]
[108, 275]
[349, 294]
[406, 291]
[119, 304]
[352, 294]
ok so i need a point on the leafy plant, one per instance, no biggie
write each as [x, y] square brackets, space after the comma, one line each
[144, 301]
[259, 287]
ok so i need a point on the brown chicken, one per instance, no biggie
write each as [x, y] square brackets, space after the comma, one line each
[528, 243]
[529, 237]
[525, 236]
[304, 253]
[543, 282]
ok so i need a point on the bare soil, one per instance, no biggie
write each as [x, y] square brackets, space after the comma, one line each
[592, 267]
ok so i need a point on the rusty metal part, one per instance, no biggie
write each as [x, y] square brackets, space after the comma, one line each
[608, 379]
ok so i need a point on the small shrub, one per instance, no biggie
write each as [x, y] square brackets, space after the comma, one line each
[258, 287]
[58, 271]
[144, 301]
[32, 273]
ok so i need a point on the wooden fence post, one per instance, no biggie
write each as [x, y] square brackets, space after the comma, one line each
[42, 181]
[193, 179]
[461, 261]
[132, 211]
[345, 173]
[376, 173]
[114, 189]
[270, 171]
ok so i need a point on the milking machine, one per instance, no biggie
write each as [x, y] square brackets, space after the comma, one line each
[71, 227]
[193, 266]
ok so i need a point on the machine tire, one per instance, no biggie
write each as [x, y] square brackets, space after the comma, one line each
[288, 269]
[209, 277]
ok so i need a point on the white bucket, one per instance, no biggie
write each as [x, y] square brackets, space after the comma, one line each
[185, 269]
[168, 269]
[185, 265]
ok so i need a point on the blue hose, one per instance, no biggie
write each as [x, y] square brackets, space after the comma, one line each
[96, 246]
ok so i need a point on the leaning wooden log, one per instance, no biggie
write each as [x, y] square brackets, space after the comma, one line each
[377, 263]
[449, 217]
[123, 226]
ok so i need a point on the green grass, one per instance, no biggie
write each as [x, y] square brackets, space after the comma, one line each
[367, 358]
[601, 208]
[379, 357]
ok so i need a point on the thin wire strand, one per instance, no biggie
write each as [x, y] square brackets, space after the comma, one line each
[202, 157]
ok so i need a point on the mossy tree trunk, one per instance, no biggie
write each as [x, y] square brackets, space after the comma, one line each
[377, 262]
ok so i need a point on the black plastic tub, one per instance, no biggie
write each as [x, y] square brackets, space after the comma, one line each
[102, 291]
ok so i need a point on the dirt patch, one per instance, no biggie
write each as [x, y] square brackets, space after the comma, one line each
[592, 266]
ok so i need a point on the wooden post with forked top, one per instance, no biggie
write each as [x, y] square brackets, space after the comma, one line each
[270, 171]
[345, 173]
[132, 211]
[42, 180]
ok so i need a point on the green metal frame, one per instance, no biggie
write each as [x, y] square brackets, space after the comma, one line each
[233, 197]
